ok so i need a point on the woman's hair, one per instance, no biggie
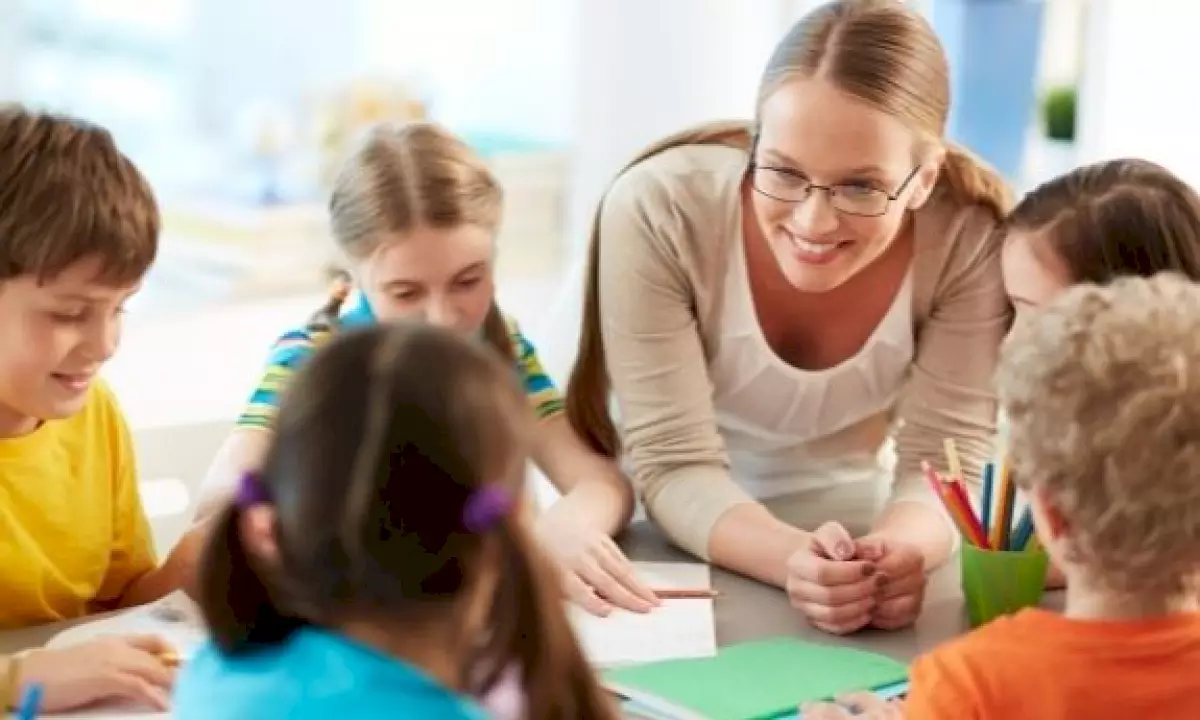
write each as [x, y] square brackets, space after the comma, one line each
[879, 51]
[384, 444]
[405, 176]
[1104, 419]
[1114, 218]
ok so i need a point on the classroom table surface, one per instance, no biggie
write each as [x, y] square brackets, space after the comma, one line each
[746, 609]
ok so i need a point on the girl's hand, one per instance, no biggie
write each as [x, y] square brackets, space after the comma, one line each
[865, 706]
[596, 574]
[835, 590]
[127, 668]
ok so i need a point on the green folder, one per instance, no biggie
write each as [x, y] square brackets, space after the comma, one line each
[759, 680]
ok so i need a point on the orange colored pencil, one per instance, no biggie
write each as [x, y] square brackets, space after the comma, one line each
[943, 494]
[1002, 507]
[964, 501]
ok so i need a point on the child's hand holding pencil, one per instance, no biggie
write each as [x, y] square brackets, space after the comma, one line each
[135, 668]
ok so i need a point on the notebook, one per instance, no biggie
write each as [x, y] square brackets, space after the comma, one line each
[675, 629]
[762, 680]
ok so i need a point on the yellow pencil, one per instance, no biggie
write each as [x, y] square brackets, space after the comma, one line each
[952, 460]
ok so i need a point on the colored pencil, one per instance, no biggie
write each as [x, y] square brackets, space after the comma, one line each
[953, 464]
[1023, 530]
[170, 658]
[999, 530]
[985, 510]
[959, 492]
[1008, 504]
[961, 514]
[31, 702]
[685, 594]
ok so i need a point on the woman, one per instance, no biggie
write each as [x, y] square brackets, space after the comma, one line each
[415, 212]
[766, 299]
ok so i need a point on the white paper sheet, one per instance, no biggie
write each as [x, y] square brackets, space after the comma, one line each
[675, 629]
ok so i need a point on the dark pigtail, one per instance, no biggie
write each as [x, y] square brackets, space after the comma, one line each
[235, 599]
[533, 633]
[327, 315]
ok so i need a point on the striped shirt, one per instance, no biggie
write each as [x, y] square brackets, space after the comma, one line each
[295, 346]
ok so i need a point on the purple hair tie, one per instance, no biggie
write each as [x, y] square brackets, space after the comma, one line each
[486, 507]
[250, 491]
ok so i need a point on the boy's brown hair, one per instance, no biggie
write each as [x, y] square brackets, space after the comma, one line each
[67, 194]
[1102, 390]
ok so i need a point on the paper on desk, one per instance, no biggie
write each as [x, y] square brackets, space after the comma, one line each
[675, 629]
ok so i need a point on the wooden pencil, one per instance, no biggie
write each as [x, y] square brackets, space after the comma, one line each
[685, 594]
[170, 658]
[953, 464]
[1001, 507]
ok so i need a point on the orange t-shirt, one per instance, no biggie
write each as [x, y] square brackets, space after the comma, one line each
[1037, 664]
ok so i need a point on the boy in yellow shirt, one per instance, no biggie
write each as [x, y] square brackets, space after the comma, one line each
[79, 228]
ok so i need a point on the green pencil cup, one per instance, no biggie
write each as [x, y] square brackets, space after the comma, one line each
[998, 582]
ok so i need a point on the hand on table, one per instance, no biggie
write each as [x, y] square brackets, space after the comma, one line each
[118, 667]
[835, 590]
[902, 591]
[866, 706]
[596, 574]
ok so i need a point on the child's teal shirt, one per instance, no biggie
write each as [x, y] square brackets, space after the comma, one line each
[295, 346]
[313, 675]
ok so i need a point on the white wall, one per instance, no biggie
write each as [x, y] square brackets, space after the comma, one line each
[646, 69]
[1137, 95]
[10, 47]
[504, 66]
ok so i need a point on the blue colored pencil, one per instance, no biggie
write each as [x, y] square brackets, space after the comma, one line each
[985, 511]
[1023, 531]
[31, 702]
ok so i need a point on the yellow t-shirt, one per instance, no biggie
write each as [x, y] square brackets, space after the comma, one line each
[73, 535]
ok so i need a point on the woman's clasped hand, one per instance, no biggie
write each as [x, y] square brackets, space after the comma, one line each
[842, 584]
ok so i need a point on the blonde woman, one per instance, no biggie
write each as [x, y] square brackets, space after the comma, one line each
[765, 299]
[415, 212]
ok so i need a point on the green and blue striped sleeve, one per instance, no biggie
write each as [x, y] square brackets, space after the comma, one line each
[544, 398]
[287, 355]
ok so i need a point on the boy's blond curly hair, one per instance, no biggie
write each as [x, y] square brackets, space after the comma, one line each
[1102, 390]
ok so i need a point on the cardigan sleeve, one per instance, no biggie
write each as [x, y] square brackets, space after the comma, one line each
[657, 365]
[950, 393]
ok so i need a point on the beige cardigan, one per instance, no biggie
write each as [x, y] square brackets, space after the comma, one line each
[666, 226]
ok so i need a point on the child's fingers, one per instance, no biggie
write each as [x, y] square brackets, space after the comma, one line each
[620, 568]
[822, 711]
[584, 596]
[152, 644]
[863, 702]
[611, 589]
[146, 666]
[135, 688]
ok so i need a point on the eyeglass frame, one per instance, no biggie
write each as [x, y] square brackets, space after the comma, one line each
[753, 165]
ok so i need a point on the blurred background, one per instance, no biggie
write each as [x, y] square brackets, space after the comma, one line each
[237, 110]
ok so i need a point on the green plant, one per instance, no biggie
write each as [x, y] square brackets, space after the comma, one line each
[1058, 114]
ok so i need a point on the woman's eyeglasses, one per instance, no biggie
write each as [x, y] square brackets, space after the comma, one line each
[787, 185]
